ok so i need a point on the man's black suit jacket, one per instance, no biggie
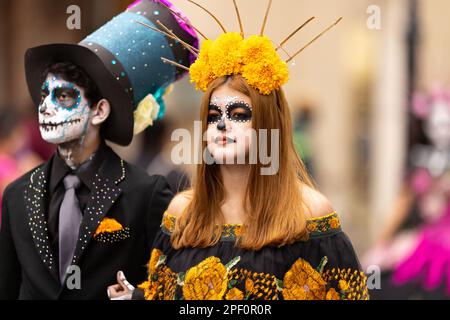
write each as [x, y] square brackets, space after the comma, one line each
[122, 192]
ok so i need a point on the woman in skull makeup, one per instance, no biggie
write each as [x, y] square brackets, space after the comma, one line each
[243, 232]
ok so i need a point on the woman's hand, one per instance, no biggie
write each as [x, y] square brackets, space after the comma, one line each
[123, 290]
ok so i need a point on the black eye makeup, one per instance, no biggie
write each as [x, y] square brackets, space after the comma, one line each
[235, 112]
[44, 92]
[214, 114]
[66, 97]
[239, 112]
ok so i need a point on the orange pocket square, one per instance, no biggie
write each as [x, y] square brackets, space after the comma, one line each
[111, 231]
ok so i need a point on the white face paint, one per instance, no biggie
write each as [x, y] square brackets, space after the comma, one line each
[64, 111]
[229, 125]
[437, 126]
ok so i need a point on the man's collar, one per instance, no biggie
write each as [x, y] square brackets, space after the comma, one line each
[86, 172]
[58, 170]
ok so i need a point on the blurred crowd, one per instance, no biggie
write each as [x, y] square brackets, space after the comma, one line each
[21, 148]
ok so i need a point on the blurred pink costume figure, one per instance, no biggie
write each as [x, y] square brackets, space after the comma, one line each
[8, 172]
[429, 262]
[15, 156]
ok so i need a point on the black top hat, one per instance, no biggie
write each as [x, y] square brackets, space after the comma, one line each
[123, 58]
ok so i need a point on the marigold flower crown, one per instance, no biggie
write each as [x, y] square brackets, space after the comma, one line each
[255, 58]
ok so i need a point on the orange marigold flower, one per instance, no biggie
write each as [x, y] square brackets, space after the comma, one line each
[200, 71]
[334, 223]
[150, 289]
[206, 281]
[313, 226]
[235, 294]
[332, 295]
[238, 229]
[302, 282]
[224, 54]
[249, 284]
[154, 257]
[168, 222]
[254, 58]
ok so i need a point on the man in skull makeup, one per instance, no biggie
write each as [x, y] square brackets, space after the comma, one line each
[65, 109]
[69, 225]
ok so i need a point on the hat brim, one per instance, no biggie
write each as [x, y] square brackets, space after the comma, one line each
[118, 128]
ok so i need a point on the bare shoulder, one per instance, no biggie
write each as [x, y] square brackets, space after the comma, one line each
[316, 204]
[179, 203]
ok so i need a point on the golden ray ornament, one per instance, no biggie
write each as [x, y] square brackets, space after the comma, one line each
[255, 58]
[269, 5]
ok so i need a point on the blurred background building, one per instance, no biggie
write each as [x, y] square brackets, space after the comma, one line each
[350, 91]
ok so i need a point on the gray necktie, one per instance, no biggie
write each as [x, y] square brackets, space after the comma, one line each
[69, 224]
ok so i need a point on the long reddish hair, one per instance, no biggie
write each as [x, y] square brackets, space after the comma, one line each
[274, 203]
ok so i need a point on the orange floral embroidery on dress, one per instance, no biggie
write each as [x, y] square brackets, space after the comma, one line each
[161, 283]
[352, 283]
[325, 224]
[235, 294]
[332, 295]
[168, 222]
[302, 282]
[230, 232]
[206, 281]
[212, 280]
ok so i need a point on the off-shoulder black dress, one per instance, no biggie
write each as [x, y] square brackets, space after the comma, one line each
[322, 267]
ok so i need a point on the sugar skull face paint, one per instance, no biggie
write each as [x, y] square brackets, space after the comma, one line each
[229, 125]
[64, 111]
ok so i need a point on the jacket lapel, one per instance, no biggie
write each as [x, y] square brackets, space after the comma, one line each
[35, 202]
[104, 194]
